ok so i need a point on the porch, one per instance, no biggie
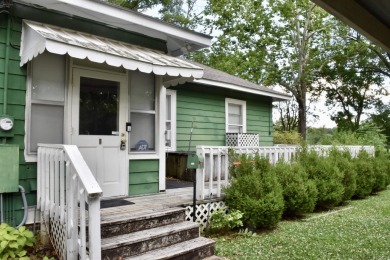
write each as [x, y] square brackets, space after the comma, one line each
[70, 205]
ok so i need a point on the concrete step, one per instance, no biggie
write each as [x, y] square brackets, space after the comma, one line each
[194, 249]
[128, 222]
[140, 242]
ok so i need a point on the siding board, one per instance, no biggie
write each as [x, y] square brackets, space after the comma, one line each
[143, 177]
[206, 106]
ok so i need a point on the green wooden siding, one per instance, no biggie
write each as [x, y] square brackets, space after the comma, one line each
[143, 177]
[206, 106]
[15, 106]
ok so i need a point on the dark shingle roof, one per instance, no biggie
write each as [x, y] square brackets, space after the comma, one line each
[223, 77]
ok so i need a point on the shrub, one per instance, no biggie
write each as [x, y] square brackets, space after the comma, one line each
[13, 242]
[281, 137]
[326, 176]
[299, 193]
[343, 161]
[240, 164]
[257, 194]
[365, 174]
[380, 172]
[223, 220]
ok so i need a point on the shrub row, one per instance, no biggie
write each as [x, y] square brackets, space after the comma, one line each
[265, 192]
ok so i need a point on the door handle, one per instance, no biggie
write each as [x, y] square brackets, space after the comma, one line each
[100, 141]
[123, 145]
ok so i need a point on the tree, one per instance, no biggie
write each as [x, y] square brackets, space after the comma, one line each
[353, 79]
[180, 12]
[273, 43]
[382, 119]
[288, 116]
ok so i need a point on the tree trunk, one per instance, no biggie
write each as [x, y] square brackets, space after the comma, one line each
[302, 116]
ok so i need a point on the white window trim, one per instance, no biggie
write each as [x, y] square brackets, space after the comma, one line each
[242, 103]
[173, 95]
[28, 155]
[135, 155]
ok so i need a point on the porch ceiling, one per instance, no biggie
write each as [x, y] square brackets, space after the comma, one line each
[368, 17]
[36, 38]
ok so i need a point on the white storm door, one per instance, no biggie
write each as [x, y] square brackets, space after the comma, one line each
[99, 113]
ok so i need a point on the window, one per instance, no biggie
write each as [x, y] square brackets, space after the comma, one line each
[45, 101]
[170, 121]
[142, 112]
[235, 116]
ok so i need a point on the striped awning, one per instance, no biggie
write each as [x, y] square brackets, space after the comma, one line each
[37, 38]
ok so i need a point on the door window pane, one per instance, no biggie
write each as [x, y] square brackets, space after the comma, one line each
[99, 107]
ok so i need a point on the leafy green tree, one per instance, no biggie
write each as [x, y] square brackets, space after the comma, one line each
[273, 43]
[381, 118]
[351, 83]
[180, 12]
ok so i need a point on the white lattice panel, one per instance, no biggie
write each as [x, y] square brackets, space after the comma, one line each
[203, 212]
[57, 234]
[242, 139]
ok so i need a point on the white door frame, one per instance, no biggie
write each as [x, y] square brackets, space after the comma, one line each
[124, 102]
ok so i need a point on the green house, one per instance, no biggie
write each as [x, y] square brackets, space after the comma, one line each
[111, 82]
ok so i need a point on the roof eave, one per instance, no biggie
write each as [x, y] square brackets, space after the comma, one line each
[273, 95]
[175, 36]
[353, 14]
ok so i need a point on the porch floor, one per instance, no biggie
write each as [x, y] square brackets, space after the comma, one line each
[148, 203]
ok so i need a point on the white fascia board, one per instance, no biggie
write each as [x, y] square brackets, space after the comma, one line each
[274, 96]
[117, 17]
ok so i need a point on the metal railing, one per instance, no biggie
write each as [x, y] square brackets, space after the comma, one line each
[69, 202]
[215, 172]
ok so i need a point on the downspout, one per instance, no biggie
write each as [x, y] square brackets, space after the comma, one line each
[6, 64]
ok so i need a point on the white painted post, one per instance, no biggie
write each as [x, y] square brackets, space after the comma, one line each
[200, 174]
[219, 166]
[211, 173]
[94, 228]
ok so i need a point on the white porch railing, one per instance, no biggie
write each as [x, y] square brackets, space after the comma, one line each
[215, 173]
[65, 186]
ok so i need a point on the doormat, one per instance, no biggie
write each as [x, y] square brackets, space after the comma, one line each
[114, 203]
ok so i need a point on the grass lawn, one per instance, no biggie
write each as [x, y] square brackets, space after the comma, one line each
[359, 230]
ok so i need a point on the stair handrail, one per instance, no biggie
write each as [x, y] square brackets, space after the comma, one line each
[68, 198]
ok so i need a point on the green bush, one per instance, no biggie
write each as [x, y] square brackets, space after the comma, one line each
[223, 220]
[13, 242]
[365, 174]
[326, 176]
[240, 164]
[343, 161]
[380, 172]
[299, 193]
[257, 194]
[281, 137]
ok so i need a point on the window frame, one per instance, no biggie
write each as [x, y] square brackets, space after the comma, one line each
[241, 103]
[172, 93]
[31, 156]
[154, 112]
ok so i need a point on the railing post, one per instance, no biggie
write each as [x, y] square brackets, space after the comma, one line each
[94, 228]
[200, 174]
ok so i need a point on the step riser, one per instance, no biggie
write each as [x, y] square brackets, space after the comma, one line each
[148, 245]
[116, 229]
[198, 254]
